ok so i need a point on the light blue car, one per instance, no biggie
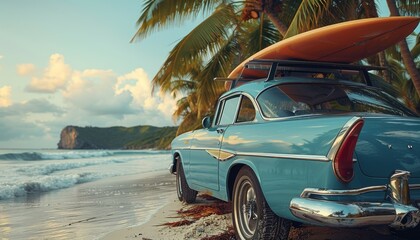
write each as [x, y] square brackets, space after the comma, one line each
[313, 143]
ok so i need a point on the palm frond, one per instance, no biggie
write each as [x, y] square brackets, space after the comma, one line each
[306, 16]
[201, 41]
[160, 14]
[409, 7]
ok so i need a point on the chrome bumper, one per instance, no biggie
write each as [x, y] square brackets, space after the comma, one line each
[398, 212]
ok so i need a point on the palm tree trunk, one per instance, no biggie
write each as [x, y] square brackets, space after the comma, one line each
[371, 12]
[277, 23]
[405, 52]
[384, 63]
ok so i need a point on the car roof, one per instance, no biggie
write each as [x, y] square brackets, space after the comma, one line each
[264, 74]
[255, 87]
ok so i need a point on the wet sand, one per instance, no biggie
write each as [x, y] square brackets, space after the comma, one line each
[86, 211]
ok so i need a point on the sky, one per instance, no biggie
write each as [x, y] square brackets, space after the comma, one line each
[71, 63]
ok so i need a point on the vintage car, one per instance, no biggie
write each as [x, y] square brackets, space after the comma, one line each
[313, 143]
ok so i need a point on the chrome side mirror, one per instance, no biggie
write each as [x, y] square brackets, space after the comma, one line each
[206, 122]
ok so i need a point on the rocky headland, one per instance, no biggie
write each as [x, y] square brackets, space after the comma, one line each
[138, 137]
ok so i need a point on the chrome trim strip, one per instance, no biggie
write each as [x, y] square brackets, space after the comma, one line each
[214, 153]
[181, 148]
[225, 155]
[267, 155]
[340, 137]
[220, 155]
[284, 156]
[307, 192]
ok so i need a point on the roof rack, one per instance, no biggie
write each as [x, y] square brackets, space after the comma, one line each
[268, 69]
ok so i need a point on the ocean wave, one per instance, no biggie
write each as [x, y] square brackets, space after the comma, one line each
[45, 184]
[47, 169]
[56, 155]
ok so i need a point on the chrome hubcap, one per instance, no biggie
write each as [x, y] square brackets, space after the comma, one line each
[246, 210]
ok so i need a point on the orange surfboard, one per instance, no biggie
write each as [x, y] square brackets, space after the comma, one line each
[345, 42]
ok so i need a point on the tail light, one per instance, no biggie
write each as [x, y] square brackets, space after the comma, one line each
[343, 161]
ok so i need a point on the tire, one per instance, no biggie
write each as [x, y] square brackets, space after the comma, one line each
[251, 215]
[184, 192]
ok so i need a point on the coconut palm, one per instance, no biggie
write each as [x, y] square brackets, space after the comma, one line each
[219, 36]
[401, 79]
[407, 7]
[224, 38]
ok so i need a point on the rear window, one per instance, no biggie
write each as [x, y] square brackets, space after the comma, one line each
[297, 99]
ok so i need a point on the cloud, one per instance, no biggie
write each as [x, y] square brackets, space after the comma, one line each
[33, 106]
[89, 97]
[17, 128]
[55, 76]
[167, 104]
[28, 121]
[5, 93]
[140, 87]
[25, 69]
[93, 91]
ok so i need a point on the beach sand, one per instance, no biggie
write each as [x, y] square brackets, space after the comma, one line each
[86, 211]
[158, 226]
[220, 227]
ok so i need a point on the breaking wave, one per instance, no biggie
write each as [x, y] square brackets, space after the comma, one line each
[56, 155]
[44, 184]
[27, 172]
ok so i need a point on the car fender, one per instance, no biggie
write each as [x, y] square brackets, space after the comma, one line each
[230, 175]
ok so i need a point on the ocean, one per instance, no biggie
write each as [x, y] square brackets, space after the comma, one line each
[79, 194]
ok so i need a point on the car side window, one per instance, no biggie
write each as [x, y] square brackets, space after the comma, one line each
[246, 110]
[230, 106]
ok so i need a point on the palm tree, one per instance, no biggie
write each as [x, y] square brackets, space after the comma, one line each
[192, 106]
[401, 79]
[220, 36]
[407, 6]
[224, 38]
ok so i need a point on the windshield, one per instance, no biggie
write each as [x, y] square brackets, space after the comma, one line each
[296, 99]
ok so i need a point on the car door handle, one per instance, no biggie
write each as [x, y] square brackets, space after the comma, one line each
[220, 130]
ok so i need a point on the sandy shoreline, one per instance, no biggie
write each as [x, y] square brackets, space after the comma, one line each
[150, 229]
[157, 228]
[211, 227]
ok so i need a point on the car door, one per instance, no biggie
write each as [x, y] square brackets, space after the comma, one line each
[205, 150]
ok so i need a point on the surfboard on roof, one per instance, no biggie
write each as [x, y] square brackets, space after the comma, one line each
[345, 42]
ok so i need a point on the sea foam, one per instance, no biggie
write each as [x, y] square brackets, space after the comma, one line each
[35, 156]
[26, 172]
[44, 184]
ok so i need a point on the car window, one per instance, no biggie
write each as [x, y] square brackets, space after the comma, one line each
[274, 103]
[246, 110]
[228, 115]
[333, 74]
[296, 99]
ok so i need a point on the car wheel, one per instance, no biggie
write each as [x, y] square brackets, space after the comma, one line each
[178, 181]
[252, 217]
[184, 192]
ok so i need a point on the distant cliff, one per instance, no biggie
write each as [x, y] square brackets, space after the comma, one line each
[139, 137]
